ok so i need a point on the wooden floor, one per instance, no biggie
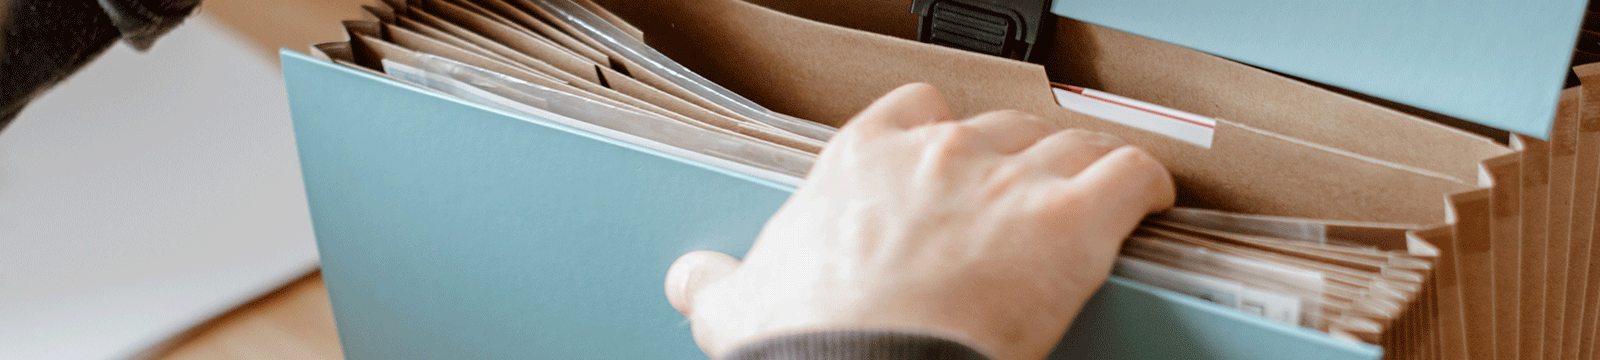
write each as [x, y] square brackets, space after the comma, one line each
[294, 322]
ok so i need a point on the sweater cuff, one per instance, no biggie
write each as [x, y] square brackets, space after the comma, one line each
[854, 345]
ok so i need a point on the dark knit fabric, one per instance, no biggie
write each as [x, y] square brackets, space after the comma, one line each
[42, 42]
[855, 345]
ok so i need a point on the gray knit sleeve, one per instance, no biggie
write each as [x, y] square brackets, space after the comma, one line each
[855, 345]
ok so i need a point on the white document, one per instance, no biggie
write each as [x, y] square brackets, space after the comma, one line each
[147, 194]
[1191, 128]
[1271, 305]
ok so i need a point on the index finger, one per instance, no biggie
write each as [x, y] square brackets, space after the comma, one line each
[1133, 177]
[904, 108]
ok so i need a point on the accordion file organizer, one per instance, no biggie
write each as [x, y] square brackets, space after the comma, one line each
[453, 229]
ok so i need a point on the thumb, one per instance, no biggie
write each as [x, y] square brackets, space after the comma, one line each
[693, 272]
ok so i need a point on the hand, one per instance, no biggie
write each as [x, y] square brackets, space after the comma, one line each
[992, 231]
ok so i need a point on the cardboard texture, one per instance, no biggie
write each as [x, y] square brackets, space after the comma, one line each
[762, 54]
[1501, 265]
[1184, 80]
[1563, 154]
[1472, 212]
[547, 58]
[1451, 323]
[1586, 185]
[1505, 174]
[1535, 185]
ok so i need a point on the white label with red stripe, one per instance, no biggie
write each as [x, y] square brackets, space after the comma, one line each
[1191, 128]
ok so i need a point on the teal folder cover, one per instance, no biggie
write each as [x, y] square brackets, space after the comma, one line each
[450, 230]
[1496, 63]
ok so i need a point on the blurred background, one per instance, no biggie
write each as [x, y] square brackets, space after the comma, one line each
[151, 206]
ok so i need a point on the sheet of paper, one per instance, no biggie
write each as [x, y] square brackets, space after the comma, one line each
[1268, 304]
[147, 194]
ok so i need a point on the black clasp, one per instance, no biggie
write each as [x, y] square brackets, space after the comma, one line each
[1005, 28]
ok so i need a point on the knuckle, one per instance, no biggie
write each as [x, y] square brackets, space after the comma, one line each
[1144, 168]
[1095, 138]
[950, 138]
[1066, 202]
[1076, 133]
[1015, 116]
[1038, 123]
[1111, 140]
[856, 131]
[1138, 159]
[1008, 174]
[1010, 114]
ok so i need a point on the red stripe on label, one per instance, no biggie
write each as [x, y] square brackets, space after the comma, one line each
[1080, 91]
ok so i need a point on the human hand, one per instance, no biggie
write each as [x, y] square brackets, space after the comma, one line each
[993, 231]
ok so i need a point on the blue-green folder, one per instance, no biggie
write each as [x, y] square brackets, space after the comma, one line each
[450, 230]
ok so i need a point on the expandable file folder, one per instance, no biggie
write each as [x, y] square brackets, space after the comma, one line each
[449, 229]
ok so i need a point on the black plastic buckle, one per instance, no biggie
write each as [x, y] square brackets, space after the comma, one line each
[1005, 28]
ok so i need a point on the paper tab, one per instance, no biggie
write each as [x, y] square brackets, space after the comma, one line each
[1145, 116]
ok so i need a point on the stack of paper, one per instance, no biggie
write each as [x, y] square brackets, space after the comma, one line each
[1352, 280]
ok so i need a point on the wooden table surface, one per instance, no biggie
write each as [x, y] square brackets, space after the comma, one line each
[294, 322]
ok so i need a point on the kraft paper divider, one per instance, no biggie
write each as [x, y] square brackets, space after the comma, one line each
[1578, 243]
[1505, 173]
[540, 27]
[801, 68]
[1586, 187]
[1449, 325]
[563, 59]
[332, 51]
[1539, 182]
[531, 17]
[418, 19]
[408, 25]
[612, 18]
[1535, 186]
[1472, 214]
[493, 24]
[1432, 335]
[378, 12]
[1410, 336]
[1427, 333]
[527, 34]
[1210, 86]
[1563, 154]
[445, 17]
[439, 43]
[368, 47]
[574, 70]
